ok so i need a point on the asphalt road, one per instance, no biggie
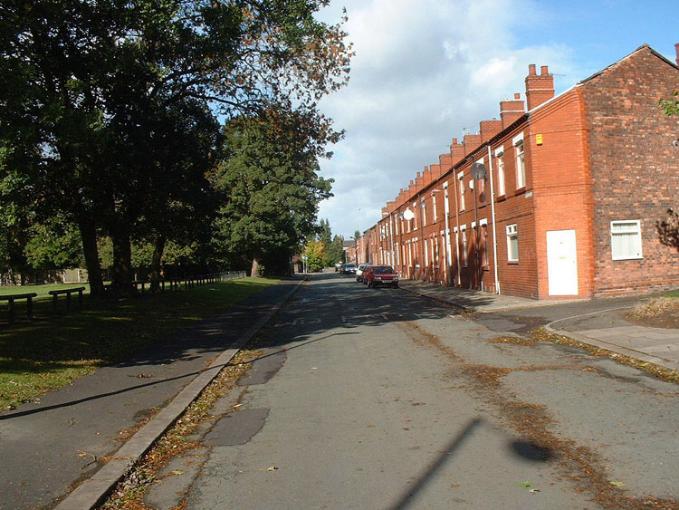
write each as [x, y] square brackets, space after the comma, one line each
[378, 399]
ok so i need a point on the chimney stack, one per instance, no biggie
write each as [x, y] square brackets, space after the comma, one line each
[539, 88]
[489, 128]
[457, 151]
[511, 109]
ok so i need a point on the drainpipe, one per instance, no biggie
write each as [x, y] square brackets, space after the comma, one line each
[457, 221]
[492, 215]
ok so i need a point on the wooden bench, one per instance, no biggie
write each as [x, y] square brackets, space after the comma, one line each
[11, 298]
[55, 295]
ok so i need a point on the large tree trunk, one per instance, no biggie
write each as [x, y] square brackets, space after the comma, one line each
[156, 259]
[88, 234]
[122, 262]
[254, 270]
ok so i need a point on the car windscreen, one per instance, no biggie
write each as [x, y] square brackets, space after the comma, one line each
[383, 269]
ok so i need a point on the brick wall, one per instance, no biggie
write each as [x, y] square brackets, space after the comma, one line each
[635, 167]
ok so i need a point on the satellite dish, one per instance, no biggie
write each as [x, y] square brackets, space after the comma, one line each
[408, 214]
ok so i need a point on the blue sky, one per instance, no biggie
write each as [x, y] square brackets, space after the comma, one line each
[426, 70]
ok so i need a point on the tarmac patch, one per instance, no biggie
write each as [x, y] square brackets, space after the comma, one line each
[237, 428]
[263, 368]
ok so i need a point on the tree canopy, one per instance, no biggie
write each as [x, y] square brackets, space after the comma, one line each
[108, 109]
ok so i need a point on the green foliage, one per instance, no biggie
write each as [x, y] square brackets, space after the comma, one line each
[54, 245]
[315, 253]
[335, 251]
[108, 108]
[270, 182]
[671, 106]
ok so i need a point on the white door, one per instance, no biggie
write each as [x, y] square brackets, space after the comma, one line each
[562, 265]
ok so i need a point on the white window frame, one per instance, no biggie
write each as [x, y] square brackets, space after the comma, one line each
[460, 179]
[636, 229]
[465, 247]
[433, 207]
[512, 231]
[499, 155]
[520, 161]
[423, 206]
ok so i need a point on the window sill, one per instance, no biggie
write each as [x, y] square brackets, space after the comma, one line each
[501, 198]
[520, 191]
[626, 258]
[513, 262]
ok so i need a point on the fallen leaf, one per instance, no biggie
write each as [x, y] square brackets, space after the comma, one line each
[533, 491]
[526, 484]
[237, 406]
[177, 472]
[272, 468]
[618, 484]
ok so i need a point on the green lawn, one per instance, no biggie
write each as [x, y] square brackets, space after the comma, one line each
[41, 290]
[673, 294]
[54, 350]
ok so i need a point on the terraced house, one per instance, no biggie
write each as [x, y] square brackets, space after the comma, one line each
[559, 197]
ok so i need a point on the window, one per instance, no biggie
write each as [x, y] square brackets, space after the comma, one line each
[426, 253]
[464, 245]
[433, 207]
[460, 178]
[499, 154]
[512, 243]
[423, 205]
[626, 239]
[484, 245]
[520, 163]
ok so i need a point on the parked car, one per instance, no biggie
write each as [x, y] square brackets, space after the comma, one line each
[349, 269]
[359, 271]
[380, 275]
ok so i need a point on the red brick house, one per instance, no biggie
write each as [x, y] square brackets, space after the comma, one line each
[558, 197]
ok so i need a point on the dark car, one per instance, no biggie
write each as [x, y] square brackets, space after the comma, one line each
[380, 275]
[349, 269]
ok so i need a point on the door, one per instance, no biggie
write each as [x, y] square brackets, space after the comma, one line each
[562, 265]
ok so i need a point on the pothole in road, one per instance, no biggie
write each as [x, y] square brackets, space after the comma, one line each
[583, 467]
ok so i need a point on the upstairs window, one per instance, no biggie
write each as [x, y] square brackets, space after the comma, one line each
[499, 154]
[626, 239]
[460, 178]
[520, 163]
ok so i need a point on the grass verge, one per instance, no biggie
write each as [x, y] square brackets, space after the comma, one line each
[50, 353]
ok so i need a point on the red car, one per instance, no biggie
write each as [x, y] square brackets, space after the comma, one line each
[380, 275]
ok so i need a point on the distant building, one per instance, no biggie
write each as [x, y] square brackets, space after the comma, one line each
[349, 248]
[559, 199]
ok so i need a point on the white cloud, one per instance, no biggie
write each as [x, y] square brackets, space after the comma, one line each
[424, 70]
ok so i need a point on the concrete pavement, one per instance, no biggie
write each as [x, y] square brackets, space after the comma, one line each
[599, 322]
[374, 398]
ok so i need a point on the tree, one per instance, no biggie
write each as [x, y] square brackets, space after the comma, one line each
[315, 253]
[84, 81]
[335, 251]
[269, 178]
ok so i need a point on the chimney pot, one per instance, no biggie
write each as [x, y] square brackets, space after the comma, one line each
[544, 70]
[517, 96]
[531, 69]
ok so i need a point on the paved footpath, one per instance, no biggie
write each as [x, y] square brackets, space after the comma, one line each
[599, 322]
[379, 399]
[49, 446]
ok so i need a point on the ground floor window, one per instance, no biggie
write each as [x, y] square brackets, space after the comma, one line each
[512, 243]
[464, 248]
[626, 239]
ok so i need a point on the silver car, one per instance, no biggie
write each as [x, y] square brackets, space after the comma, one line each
[359, 271]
